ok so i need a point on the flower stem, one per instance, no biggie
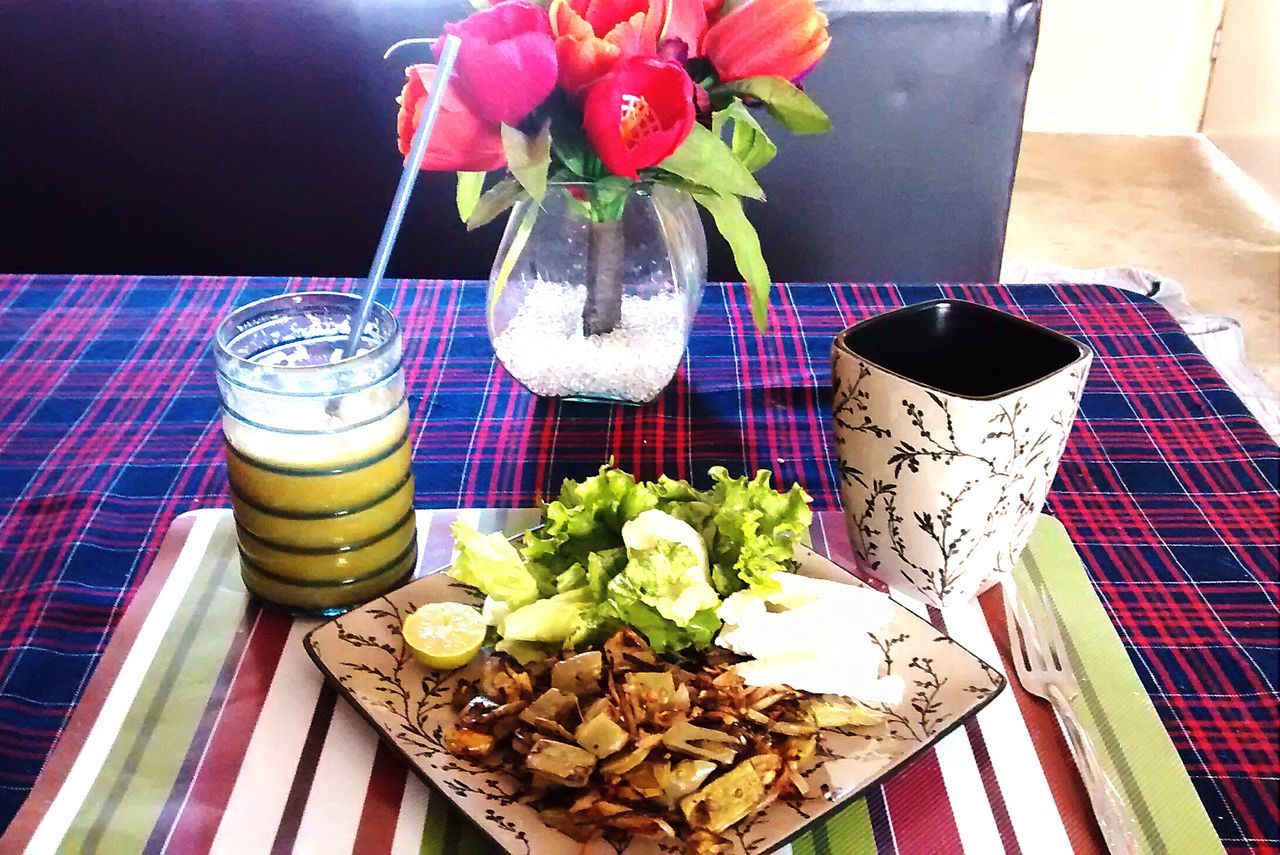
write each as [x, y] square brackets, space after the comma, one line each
[603, 309]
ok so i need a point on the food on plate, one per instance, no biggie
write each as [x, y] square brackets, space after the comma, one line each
[658, 557]
[811, 634]
[621, 741]
[653, 665]
[444, 635]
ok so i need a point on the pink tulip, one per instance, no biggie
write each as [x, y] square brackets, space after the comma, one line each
[507, 62]
[683, 21]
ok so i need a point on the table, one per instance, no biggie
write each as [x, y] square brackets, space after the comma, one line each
[1169, 488]
[205, 727]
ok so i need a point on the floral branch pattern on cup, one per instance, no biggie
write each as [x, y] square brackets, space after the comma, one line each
[941, 486]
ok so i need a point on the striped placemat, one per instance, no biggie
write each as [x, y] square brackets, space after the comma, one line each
[205, 727]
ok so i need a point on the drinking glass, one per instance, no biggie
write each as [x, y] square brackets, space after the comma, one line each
[318, 451]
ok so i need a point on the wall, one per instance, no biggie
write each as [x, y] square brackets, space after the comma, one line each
[1242, 114]
[1123, 66]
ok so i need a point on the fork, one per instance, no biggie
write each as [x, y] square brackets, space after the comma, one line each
[1039, 654]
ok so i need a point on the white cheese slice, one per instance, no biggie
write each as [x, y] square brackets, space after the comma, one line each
[813, 635]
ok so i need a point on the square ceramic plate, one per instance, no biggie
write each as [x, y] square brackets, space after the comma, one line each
[363, 655]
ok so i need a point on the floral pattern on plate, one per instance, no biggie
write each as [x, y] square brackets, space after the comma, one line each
[409, 705]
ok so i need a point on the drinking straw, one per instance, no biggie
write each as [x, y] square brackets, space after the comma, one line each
[448, 53]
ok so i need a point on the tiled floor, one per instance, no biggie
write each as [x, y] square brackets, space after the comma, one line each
[1153, 202]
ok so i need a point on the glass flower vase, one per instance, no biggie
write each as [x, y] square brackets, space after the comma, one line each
[593, 292]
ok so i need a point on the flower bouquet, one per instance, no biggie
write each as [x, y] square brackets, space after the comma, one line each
[607, 120]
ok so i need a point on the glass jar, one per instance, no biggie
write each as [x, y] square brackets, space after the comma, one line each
[593, 292]
[318, 451]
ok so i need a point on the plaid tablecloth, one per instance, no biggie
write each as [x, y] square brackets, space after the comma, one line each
[1169, 488]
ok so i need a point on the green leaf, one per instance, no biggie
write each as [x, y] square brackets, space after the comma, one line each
[749, 144]
[528, 158]
[568, 141]
[470, 186]
[736, 229]
[795, 110]
[494, 201]
[675, 182]
[704, 159]
[609, 198]
[627, 602]
[663, 635]
[580, 208]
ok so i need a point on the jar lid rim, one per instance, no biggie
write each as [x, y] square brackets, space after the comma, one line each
[228, 328]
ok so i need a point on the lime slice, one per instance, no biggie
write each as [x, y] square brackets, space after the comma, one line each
[444, 635]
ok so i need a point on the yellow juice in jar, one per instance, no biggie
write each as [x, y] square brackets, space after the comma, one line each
[324, 520]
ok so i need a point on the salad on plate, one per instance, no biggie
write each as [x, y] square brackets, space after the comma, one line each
[650, 664]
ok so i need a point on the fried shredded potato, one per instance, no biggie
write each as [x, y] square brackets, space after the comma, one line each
[619, 742]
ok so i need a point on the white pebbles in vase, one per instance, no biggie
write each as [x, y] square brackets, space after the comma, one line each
[544, 347]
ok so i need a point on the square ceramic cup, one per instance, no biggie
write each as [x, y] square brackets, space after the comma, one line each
[950, 421]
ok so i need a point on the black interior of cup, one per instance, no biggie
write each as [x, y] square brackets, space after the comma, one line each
[962, 348]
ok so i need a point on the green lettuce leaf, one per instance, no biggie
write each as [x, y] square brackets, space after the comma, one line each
[589, 587]
[703, 628]
[594, 578]
[684, 502]
[671, 579]
[663, 635]
[601, 567]
[612, 496]
[587, 518]
[489, 562]
[574, 577]
[664, 592]
[756, 530]
[525, 652]
[627, 607]
[576, 580]
[596, 624]
[554, 619]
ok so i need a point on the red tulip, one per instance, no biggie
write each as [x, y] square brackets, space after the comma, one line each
[767, 38]
[638, 114]
[593, 35]
[461, 141]
[507, 61]
[604, 15]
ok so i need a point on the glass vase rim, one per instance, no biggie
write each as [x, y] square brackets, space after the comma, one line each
[632, 183]
[223, 334]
